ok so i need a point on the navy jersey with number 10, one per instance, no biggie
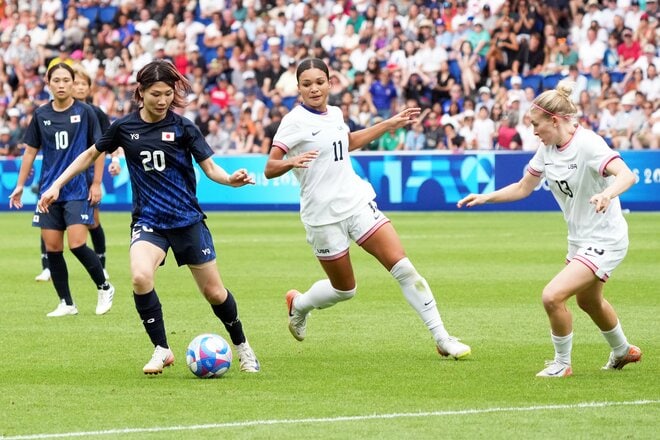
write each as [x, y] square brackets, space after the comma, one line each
[159, 160]
[62, 136]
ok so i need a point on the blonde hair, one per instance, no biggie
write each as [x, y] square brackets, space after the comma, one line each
[80, 72]
[557, 102]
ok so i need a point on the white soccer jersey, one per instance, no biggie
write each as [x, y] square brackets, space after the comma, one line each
[576, 172]
[330, 190]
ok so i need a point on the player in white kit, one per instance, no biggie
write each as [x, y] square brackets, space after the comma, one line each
[585, 177]
[336, 206]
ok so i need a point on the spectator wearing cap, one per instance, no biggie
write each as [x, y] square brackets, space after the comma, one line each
[355, 19]
[591, 14]
[592, 50]
[460, 16]
[8, 147]
[629, 51]
[485, 98]
[484, 129]
[443, 36]
[647, 58]
[430, 56]
[221, 94]
[479, 37]
[626, 123]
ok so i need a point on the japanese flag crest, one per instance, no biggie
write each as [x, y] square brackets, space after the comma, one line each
[167, 136]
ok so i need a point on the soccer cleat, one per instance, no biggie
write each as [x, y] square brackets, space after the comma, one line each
[450, 346]
[634, 355]
[555, 369]
[247, 359]
[105, 300]
[162, 357]
[63, 309]
[106, 274]
[44, 276]
[297, 322]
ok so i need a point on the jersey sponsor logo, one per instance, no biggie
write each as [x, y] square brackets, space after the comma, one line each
[75, 119]
[314, 133]
[206, 251]
[84, 216]
[134, 136]
[167, 136]
[323, 251]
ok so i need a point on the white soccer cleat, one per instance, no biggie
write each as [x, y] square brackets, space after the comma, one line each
[450, 346]
[555, 369]
[162, 357]
[44, 276]
[63, 309]
[297, 322]
[614, 363]
[247, 359]
[106, 274]
[105, 300]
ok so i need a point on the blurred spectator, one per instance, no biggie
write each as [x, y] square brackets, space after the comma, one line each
[507, 135]
[415, 137]
[392, 140]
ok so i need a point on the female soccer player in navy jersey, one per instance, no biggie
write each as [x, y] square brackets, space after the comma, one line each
[63, 129]
[81, 89]
[337, 206]
[159, 147]
[585, 177]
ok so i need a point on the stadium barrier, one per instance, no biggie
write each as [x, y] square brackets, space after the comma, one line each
[404, 181]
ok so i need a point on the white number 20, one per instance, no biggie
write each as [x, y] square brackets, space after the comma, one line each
[153, 160]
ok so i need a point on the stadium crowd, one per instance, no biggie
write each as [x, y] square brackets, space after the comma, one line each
[473, 66]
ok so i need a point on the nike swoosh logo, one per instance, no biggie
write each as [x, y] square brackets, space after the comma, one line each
[427, 303]
[314, 133]
[548, 163]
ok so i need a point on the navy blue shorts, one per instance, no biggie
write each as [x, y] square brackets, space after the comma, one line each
[190, 245]
[63, 214]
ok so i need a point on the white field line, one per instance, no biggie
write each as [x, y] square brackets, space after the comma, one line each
[337, 419]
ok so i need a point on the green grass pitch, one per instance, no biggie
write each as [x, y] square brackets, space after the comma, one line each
[368, 368]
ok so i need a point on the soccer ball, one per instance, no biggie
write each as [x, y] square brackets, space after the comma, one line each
[208, 356]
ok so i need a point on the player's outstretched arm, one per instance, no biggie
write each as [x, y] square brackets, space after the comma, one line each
[509, 193]
[278, 165]
[360, 138]
[79, 165]
[217, 174]
[15, 198]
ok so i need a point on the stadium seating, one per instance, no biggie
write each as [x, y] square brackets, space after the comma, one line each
[551, 81]
[91, 13]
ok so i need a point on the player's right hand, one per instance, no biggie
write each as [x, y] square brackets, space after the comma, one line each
[15, 198]
[471, 200]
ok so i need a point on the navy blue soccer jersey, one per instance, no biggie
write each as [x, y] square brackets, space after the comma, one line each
[159, 159]
[63, 136]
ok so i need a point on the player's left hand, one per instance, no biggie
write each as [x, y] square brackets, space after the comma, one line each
[240, 178]
[601, 201]
[405, 117]
[15, 198]
[47, 198]
[95, 194]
